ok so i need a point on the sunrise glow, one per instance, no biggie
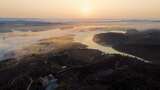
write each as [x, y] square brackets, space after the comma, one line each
[80, 8]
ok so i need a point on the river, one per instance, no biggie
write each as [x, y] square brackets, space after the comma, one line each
[82, 34]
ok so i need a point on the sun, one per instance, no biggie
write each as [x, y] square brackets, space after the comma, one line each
[86, 9]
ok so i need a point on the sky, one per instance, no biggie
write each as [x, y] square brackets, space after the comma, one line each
[108, 9]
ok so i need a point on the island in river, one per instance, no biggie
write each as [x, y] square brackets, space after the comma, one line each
[144, 44]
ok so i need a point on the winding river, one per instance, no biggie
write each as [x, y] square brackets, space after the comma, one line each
[81, 34]
[87, 39]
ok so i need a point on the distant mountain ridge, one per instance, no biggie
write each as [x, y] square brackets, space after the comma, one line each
[14, 21]
[54, 20]
[23, 22]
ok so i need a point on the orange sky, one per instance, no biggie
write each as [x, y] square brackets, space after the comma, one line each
[111, 9]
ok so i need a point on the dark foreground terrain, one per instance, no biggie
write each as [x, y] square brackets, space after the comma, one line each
[144, 44]
[78, 68]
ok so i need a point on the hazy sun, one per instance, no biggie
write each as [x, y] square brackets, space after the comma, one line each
[86, 9]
